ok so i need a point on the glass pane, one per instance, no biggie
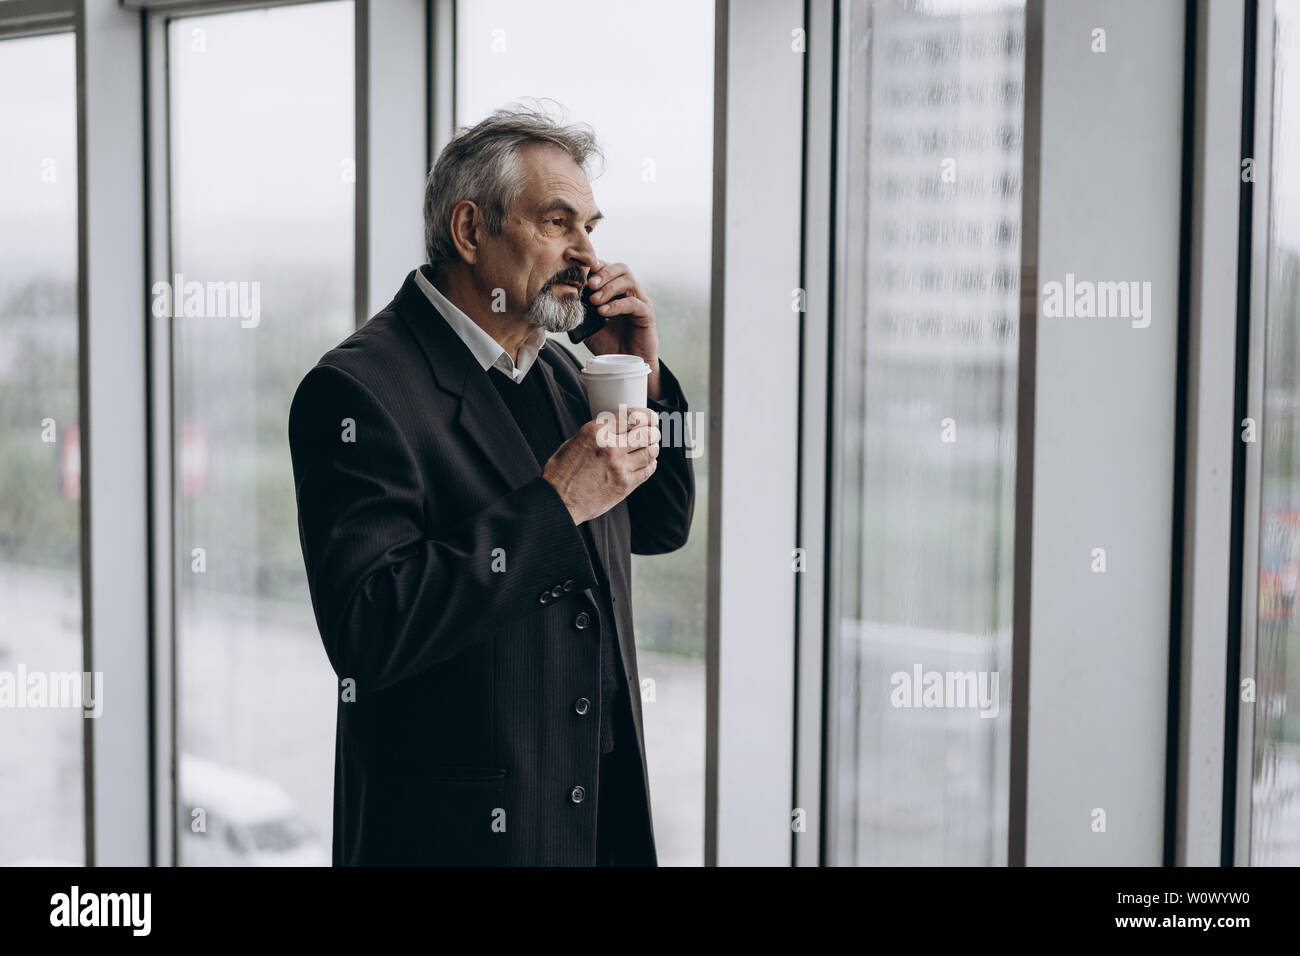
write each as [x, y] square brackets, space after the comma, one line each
[1275, 818]
[262, 137]
[41, 782]
[653, 116]
[927, 325]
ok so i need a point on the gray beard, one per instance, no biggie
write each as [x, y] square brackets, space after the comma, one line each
[555, 315]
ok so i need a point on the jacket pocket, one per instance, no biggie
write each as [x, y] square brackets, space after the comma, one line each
[464, 773]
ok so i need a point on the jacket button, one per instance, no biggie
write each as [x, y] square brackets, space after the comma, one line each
[544, 597]
[581, 705]
[569, 585]
[556, 591]
[577, 794]
[581, 621]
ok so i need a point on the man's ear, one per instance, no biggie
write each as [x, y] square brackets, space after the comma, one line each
[465, 223]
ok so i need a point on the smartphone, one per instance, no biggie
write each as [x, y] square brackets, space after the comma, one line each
[593, 322]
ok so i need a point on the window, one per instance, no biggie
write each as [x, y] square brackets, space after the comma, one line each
[41, 794]
[653, 115]
[1275, 812]
[926, 333]
[262, 172]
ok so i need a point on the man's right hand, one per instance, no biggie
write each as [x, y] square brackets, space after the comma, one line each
[601, 465]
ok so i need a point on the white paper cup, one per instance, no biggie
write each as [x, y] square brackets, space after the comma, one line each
[614, 380]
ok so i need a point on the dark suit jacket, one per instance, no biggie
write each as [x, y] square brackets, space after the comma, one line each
[463, 744]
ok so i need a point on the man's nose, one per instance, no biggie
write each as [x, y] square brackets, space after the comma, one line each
[584, 253]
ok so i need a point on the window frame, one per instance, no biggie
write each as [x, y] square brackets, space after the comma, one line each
[21, 19]
[754, 368]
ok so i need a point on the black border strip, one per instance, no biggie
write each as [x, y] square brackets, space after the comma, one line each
[1240, 410]
[829, 559]
[1178, 537]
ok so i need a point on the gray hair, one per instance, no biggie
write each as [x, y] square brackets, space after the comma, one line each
[481, 164]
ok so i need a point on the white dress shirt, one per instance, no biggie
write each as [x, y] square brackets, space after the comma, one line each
[486, 349]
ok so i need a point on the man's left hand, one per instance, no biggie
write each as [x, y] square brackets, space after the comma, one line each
[631, 329]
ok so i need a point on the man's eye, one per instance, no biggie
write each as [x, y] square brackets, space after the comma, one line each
[557, 222]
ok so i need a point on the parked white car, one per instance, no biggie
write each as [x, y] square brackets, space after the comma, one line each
[247, 820]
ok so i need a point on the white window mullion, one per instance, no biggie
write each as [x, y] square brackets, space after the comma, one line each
[115, 543]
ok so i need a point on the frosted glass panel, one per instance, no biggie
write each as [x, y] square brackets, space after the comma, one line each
[262, 140]
[41, 781]
[927, 321]
[1275, 817]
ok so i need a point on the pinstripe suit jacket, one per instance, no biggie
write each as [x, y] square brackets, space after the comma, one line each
[447, 578]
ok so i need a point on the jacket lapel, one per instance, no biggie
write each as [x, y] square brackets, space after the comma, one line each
[482, 414]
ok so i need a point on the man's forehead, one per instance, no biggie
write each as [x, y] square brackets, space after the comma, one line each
[550, 173]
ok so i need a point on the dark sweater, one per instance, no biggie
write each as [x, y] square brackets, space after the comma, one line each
[535, 416]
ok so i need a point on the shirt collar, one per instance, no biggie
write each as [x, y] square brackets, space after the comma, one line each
[487, 350]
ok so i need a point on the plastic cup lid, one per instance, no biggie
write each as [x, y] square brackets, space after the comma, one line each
[616, 365]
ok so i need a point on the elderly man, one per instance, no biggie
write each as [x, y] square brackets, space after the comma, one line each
[467, 529]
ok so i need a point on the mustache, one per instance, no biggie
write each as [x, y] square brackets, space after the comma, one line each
[573, 277]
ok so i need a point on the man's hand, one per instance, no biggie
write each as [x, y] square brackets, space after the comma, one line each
[631, 330]
[600, 465]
